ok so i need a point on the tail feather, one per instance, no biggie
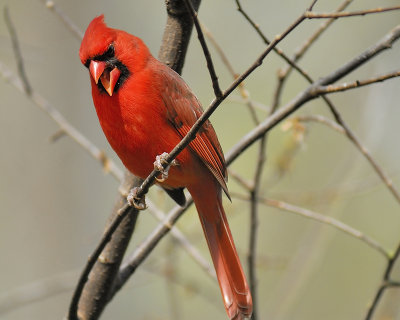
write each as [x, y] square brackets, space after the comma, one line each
[231, 278]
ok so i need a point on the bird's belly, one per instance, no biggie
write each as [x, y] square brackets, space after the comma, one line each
[138, 147]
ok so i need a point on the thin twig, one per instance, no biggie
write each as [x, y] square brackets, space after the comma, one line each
[242, 89]
[147, 246]
[253, 234]
[210, 65]
[356, 84]
[65, 126]
[17, 52]
[71, 26]
[298, 54]
[322, 219]
[320, 119]
[267, 41]
[246, 184]
[335, 15]
[184, 242]
[386, 282]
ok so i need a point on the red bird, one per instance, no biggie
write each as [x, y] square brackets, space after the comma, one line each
[145, 109]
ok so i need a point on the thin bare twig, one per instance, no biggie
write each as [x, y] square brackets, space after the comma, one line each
[71, 26]
[242, 89]
[335, 15]
[356, 84]
[320, 119]
[17, 52]
[298, 54]
[386, 282]
[184, 242]
[267, 41]
[147, 246]
[64, 125]
[322, 219]
[210, 65]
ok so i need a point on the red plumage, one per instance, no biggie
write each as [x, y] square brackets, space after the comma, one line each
[145, 109]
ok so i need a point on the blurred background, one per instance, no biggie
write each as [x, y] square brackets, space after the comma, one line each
[55, 198]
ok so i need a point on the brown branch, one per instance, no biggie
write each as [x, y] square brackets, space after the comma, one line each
[84, 312]
[386, 282]
[335, 15]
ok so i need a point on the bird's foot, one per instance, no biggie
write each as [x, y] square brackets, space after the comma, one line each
[159, 165]
[138, 203]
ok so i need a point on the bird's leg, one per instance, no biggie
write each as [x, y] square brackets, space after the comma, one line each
[159, 165]
[138, 203]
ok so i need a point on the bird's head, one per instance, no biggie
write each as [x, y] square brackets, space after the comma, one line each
[111, 55]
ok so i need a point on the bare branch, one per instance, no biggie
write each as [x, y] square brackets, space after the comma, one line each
[243, 92]
[315, 15]
[65, 126]
[184, 242]
[265, 39]
[147, 246]
[322, 219]
[17, 52]
[298, 54]
[386, 283]
[355, 84]
[71, 26]
[320, 119]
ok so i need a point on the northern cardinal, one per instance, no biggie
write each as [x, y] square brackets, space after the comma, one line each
[145, 109]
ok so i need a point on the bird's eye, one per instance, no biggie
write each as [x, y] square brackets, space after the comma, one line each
[110, 51]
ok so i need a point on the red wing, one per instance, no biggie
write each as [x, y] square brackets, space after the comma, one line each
[183, 109]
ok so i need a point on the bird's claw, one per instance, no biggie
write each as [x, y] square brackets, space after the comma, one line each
[159, 165]
[133, 200]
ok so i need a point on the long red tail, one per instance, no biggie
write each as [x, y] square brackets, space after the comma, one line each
[231, 278]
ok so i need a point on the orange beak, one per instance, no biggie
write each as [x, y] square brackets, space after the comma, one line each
[98, 70]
